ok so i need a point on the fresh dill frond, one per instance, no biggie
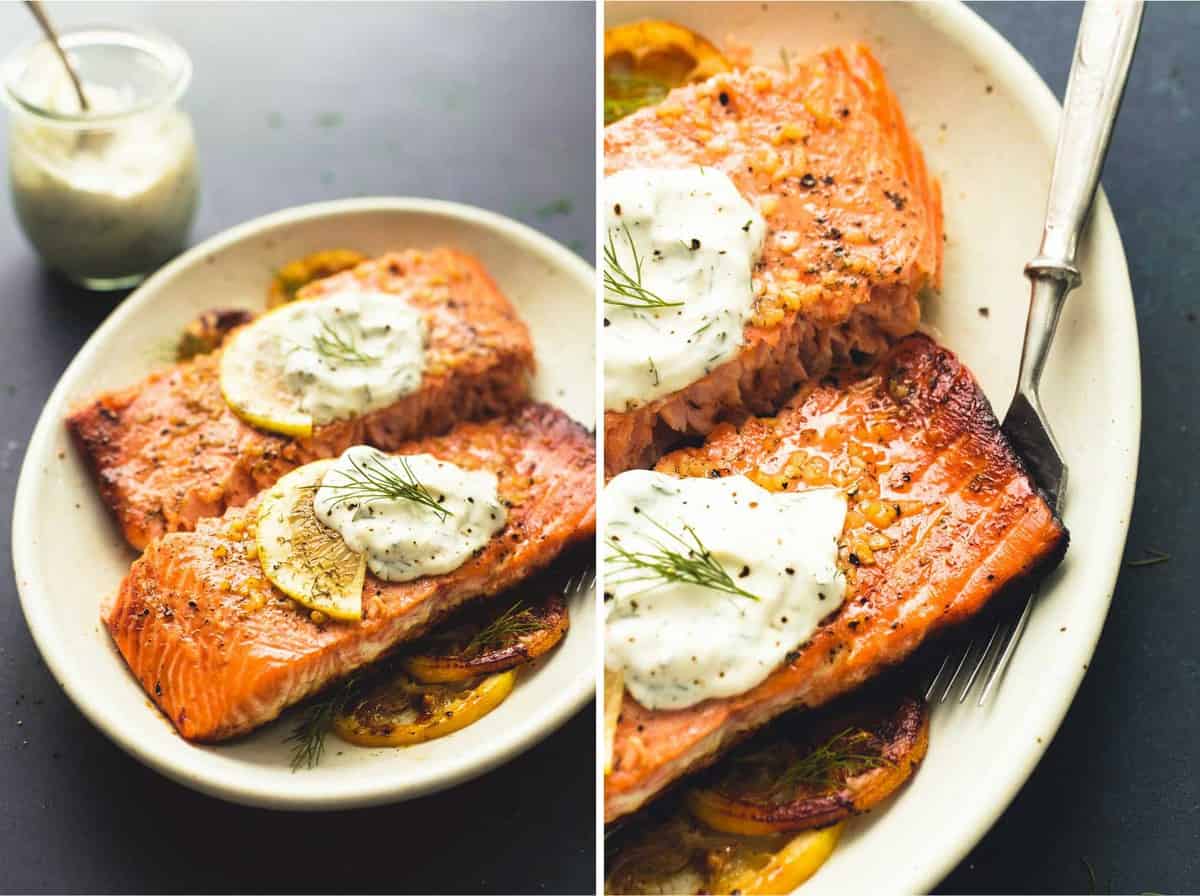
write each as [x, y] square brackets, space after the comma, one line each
[335, 346]
[844, 755]
[1153, 558]
[374, 480]
[688, 562]
[628, 289]
[316, 721]
[515, 622]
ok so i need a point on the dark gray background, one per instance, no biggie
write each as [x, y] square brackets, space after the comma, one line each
[491, 105]
[473, 104]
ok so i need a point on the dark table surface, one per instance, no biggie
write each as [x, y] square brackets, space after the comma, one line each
[490, 105]
[1116, 795]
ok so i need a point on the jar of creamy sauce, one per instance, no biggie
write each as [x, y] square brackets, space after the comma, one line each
[105, 195]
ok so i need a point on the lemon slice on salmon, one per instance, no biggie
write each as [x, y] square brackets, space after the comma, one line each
[303, 558]
[644, 60]
[252, 379]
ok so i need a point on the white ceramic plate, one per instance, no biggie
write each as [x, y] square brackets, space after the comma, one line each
[992, 150]
[67, 551]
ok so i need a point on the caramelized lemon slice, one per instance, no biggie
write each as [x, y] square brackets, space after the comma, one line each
[614, 696]
[402, 712]
[304, 559]
[252, 380]
[644, 60]
[787, 869]
[300, 272]
[514, 635]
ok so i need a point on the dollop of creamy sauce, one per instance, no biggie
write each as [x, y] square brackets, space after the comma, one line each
[679, 642]
[362, 498]
[103, 203]
[349, 353]
[687, 238]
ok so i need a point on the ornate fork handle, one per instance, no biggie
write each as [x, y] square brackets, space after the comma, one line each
[1107, 35]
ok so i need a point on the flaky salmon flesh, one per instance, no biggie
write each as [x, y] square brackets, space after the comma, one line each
[169, 452]
[943, 517]
[221, 651]
[854, 230]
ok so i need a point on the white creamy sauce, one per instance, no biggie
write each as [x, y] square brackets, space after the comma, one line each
[107, 202]
[695, 240]
[404, 539]
[346, 354]
[679, 642]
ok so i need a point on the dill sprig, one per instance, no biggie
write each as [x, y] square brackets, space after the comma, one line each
[335, 346]
[515, 622]
[773, 774]
[632, 92]
[316, 721]
[1153, 558]
[844, 755]
[375, 480]
[689, 562]
[628, 287]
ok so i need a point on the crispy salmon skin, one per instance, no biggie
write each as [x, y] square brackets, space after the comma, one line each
[942, 517]
[221, 651]
[169, 452]
[854, 229]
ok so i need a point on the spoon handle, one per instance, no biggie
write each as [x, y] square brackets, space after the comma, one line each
[43, 20]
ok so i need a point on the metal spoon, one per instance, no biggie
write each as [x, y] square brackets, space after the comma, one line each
[35, 7]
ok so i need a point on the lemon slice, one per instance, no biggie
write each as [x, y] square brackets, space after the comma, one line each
[304, 559]
[644, 60]
[252, 379]
[297, 274]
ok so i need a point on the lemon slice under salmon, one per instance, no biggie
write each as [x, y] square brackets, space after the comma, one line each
[252, 380]
[401, 713]
[644, 60]
[300, 272]
[303, 558]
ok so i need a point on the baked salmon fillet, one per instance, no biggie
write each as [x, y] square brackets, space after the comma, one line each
[943, 517]
[854, 230]
[169, 452]
[221, 651]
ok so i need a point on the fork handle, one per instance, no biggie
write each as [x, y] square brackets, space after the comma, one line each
[1108, 33]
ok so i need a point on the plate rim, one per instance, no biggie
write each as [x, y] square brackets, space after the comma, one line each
[575, 692]
[964, 25]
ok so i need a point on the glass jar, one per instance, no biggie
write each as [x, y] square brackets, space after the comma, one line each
[106, 195]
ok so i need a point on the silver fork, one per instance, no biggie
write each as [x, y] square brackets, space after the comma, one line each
[582, 580]
[1108, 33]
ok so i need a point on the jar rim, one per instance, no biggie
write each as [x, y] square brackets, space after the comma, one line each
[176, 64]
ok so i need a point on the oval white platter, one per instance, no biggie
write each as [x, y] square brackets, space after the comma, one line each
[988, 125]
[68, 553]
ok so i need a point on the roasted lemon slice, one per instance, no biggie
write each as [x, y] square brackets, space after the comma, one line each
[614, 696]
[513, 636]
[643, 60]
[296, 274]
[402, 712]
[252, 380]
[786, 870]
[304, 559]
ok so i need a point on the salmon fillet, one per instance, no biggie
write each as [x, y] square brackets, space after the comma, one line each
[221, 651]
[169, 451]
[854, 230]
[942, 517]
